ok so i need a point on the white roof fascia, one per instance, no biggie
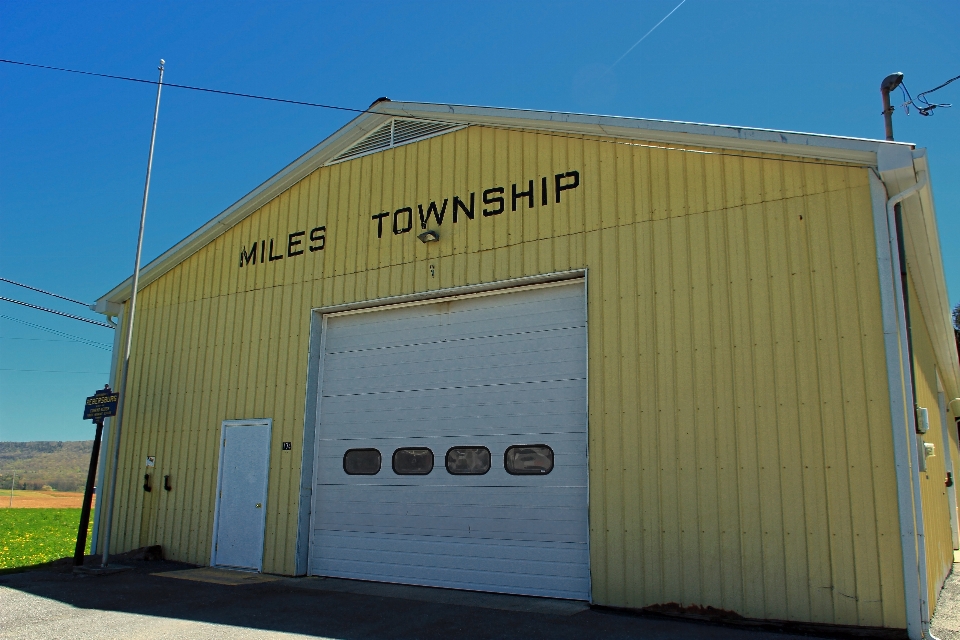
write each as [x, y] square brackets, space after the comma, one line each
[925, 261]
[810, 145]
[853, 150]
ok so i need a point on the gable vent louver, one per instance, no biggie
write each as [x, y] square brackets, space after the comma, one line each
[396, 132]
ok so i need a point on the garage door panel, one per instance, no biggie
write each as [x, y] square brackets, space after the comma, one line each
[452, 393]
[487, 573]
[437, 350]
[556, 527]
[563, 553]
[450, 565]
[445, 352]
[493, 532]
[486, 420]
[483, 492]
[566, 472]
[400, 335]
[458, 320]
[565, 475]
[494, 401]
[413, 552]
[564, 362]
[452, 396]
[481, 344]
[557, 495]
[510, 433]
[492, 548]
[560, 363]
[496, 437]
[493, 371]
[487, 580]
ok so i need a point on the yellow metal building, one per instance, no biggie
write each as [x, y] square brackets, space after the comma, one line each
[749, 417]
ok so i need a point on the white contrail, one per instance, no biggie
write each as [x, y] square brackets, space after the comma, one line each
[646, 34]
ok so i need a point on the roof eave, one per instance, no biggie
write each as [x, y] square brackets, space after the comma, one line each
[275, 185]
[854, 150]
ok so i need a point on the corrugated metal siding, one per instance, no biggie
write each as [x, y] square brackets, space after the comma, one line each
[936, 514]
[740, 443]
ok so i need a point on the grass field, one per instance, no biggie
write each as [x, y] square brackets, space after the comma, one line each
[34, 536]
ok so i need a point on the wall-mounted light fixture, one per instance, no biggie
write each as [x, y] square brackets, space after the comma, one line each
[428, 236]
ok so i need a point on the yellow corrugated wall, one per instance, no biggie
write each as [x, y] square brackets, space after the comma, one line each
[740, 440]
[933, 489]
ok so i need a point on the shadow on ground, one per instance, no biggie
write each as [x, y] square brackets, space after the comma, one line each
[54, 602]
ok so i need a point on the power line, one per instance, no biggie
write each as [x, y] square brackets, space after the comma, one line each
[191, 88]
[99, 373]
[937, 88]
[925, 107]
[59, 313]
[32, 339]
[98, 345]
[26, 286]
[92, 344]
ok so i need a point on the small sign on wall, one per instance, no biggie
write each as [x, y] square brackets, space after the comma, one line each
[288, 446]
[151, 461]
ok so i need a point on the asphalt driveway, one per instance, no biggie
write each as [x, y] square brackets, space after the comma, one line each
[55, 603]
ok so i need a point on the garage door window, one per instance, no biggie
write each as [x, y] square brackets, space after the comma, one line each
[412, 462]
[468, 461]
[361, 462]
[528, 459]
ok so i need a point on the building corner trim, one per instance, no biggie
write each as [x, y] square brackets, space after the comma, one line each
[308, 453]
[102, 462]
[900, 402]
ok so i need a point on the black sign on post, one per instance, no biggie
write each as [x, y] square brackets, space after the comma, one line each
[102, 404]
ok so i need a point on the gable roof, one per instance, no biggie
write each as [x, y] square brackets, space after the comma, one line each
[346, 143]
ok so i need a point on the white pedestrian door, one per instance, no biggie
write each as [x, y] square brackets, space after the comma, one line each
[452, 444]
[241, 495]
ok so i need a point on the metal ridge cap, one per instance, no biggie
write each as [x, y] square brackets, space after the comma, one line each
[630, 122]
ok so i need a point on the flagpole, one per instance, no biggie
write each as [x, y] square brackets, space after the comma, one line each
[128, 338]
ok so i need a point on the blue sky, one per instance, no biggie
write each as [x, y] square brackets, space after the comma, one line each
[73, 149]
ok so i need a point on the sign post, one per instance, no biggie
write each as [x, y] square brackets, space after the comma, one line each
[102, 404]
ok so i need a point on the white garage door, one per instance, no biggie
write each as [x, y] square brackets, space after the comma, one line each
[454, 385]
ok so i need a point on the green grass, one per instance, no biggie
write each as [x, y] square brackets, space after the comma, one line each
[35, 536]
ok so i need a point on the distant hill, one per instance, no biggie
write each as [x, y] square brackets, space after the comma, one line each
[61, 466]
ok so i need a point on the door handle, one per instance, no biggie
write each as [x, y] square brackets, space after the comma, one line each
[258, 505]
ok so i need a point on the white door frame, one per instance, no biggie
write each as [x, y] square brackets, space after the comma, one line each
[260, 422]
